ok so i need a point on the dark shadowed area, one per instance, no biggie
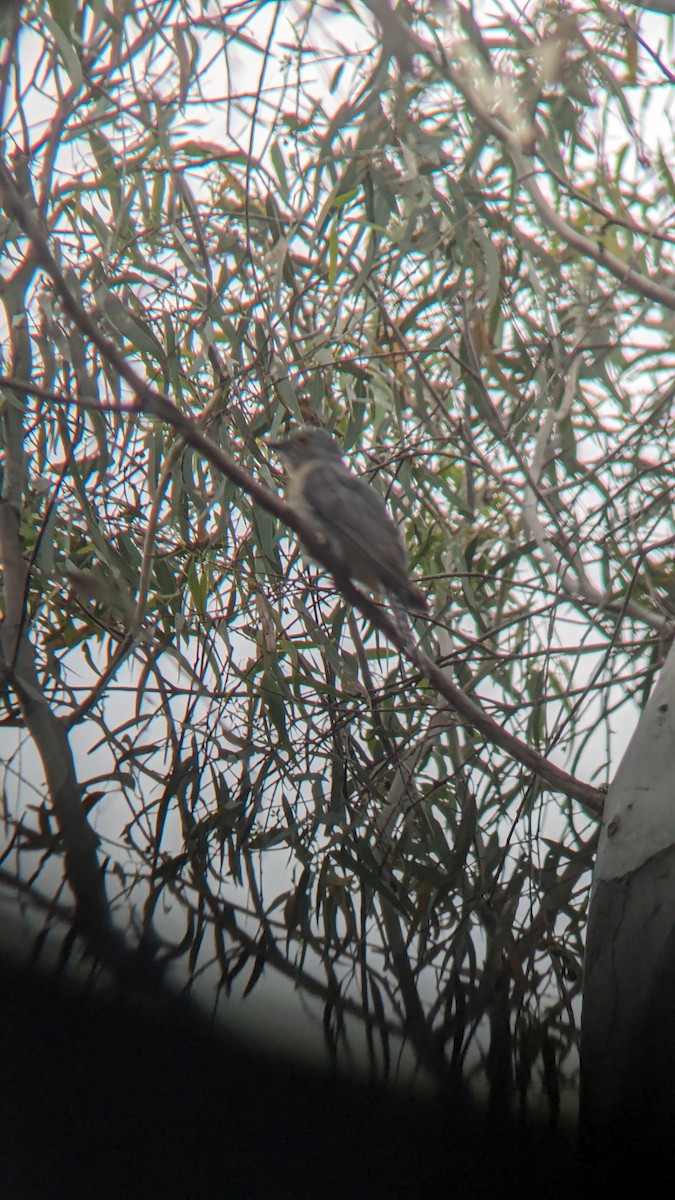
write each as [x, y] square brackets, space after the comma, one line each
[109, 1097]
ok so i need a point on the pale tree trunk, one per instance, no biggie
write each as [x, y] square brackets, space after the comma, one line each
[628, 1022]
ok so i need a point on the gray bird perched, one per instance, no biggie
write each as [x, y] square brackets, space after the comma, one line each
[348, 513]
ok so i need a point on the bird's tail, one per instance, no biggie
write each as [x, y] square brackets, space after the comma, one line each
[403, 626]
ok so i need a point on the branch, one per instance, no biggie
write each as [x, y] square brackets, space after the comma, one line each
[149, 401]
[573, 578]
[429, 1048]
[659, 6]
[83, 870]
[18, 668]
[520, 145]
[629, 278]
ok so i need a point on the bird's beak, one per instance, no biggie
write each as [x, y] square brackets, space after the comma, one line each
[275, 444]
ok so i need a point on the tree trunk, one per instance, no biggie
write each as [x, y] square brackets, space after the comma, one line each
[628, 1023]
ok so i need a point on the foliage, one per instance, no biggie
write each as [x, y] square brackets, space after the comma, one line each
[448, 238]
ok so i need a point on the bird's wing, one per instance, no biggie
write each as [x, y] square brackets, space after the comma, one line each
[355, 519]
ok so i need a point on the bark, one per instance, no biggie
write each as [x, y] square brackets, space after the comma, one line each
[19, 673]
[628, 1024]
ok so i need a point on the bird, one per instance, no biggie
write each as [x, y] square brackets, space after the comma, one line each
[348, 514]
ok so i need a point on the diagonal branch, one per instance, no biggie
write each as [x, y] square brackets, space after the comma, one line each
[150, 402]
[520, 145]
[83, 870]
